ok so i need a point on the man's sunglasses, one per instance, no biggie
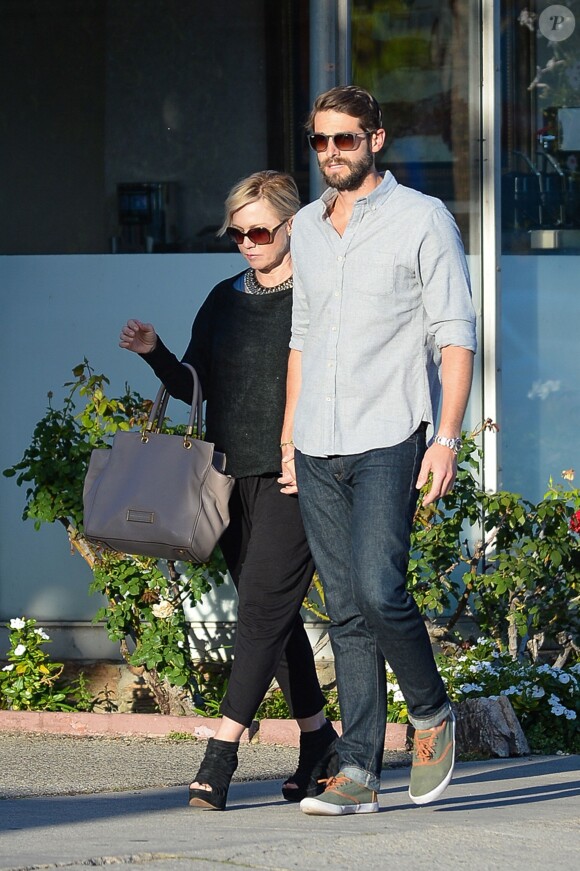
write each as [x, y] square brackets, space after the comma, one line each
[343, 141]
[257, 235]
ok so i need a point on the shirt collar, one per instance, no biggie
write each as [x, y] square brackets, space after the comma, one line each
[381, 193]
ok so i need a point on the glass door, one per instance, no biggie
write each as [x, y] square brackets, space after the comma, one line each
[540, 242]
[421, 59]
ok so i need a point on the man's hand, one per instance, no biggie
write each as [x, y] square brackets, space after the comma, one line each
[441, 463]
[288, 476]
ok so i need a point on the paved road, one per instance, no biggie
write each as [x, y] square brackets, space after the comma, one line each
[502, 814]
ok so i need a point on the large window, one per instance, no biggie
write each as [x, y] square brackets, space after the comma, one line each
[125, 122]
[412, 56]
[540, 305]
[541, 127]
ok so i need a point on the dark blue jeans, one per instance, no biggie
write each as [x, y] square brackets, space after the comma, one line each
[358, 512]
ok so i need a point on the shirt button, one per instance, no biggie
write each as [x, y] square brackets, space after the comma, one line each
[340, 257]
[329, 398]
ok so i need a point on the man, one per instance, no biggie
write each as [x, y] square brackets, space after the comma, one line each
[382, 320]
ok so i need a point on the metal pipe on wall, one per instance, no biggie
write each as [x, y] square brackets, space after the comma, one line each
[330, 59]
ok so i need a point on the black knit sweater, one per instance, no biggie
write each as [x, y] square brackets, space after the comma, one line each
[239, 348]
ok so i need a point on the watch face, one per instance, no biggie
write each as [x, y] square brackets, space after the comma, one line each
[453, 444]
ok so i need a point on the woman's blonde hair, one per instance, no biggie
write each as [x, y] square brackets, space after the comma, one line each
[278, 189]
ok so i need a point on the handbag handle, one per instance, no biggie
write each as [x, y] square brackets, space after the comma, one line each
[157, 413]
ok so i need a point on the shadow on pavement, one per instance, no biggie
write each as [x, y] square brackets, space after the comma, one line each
[29, 813]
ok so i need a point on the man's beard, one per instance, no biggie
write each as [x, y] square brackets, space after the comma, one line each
[358, 172]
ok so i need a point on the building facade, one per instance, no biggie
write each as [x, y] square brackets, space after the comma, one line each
[125, 122]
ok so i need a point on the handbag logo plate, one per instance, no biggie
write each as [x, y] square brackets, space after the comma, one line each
[140, 516]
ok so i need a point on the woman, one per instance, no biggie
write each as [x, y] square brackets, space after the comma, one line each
[239, 348]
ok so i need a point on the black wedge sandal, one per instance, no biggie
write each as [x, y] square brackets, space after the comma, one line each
[216, 770]
[318, 760]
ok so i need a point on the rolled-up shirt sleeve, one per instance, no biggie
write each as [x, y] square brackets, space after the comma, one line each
[442, 270]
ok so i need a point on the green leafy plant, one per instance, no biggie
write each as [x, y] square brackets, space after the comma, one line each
[145, 598]
[511, 566]
[54, 465]
[31, 681]
[275, 707]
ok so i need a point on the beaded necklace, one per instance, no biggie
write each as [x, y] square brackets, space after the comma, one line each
[252, 285]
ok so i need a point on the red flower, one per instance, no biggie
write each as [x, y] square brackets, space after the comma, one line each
[575, 521]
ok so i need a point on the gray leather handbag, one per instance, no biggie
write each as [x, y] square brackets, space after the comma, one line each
[158, 494]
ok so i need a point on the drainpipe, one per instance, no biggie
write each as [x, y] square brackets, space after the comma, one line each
[491, 239]
[330, 60]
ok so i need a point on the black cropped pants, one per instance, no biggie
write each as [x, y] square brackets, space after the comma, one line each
[267, 555]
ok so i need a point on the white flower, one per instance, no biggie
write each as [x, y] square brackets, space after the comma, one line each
[17, 623]
[553, 700]
[19, 649]
[41, 633]
[510, 691]
[163, 609]
[542, 669]
[180, 643]
[558, 710]
[575, 668]
[570, 715]
[398, 696]
[8, 667]
[538, 692]
[564, 678]
[471, 688]
[489, 667]
[392, 687]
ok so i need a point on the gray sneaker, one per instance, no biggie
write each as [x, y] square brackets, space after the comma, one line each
[342, 796]
[433, 761]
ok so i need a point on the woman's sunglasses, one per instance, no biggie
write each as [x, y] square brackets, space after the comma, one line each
[343, 141]
[257, 235]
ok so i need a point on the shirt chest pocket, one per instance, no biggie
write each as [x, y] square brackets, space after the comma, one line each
[387, 276]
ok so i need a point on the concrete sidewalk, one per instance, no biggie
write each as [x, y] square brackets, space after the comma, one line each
[502, 814]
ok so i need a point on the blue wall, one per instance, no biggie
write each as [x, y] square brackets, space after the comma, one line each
[540, 374]
[55, 311]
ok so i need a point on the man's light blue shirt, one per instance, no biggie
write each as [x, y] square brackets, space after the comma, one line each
[372, 310]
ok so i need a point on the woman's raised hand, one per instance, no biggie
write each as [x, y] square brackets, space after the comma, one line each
[138, 337]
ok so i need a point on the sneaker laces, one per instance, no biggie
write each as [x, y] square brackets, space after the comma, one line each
[424, 746]
[336, 780]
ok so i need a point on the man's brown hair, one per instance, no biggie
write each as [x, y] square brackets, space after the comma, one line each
[350, 100]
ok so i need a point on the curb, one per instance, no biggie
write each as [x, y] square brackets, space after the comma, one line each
[84, 724]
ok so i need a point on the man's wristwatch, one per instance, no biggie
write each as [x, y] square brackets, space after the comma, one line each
[453, 444]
